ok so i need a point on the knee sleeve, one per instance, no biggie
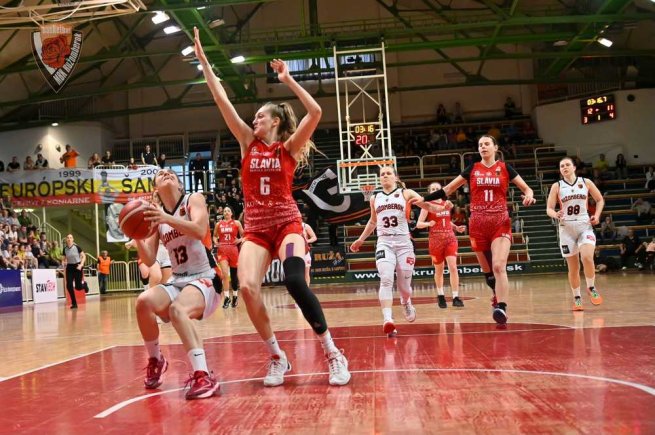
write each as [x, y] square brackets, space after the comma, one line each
[217, 283]
[294, 272]
[234, 280]
[385, 270]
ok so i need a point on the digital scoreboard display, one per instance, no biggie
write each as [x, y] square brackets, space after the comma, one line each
[597, 109]
[365, 134]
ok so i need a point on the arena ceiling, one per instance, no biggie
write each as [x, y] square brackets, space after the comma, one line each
[130, 52]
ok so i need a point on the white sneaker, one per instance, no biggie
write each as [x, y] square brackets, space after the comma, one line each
[338, 365]
[277, 367]
[410, 311]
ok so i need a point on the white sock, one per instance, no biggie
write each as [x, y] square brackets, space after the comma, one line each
[273, 346]
[440, 291]
[455, 293]
[327, 343]
[152, 347]
[386, 313]
[576, 292]
[198, 360]
[590, 281]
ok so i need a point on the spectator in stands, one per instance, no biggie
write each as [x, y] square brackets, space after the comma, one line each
[107, 159]
[69, 158]
[24, 220]
[4, 217]
[608, 229]
[148, 157]
[162, 160]
[462, 139]
[13, 166]
[494, 131]
[94, 161]
[41, 162]
[603, 262]
[643, 209]
[581, 167]
[39, 256]
[458, 114]
[649, 248]
[601, 168]
[55, 254]
[621, 167]
[454, 166]
[104, 261]
[14, 219]
[132, 163]
[510, 108]
[442, 115]
[28, 165]
[630, 246]
[650, 179]
[197, 172]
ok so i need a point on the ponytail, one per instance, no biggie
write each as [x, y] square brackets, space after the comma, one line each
[287, 127]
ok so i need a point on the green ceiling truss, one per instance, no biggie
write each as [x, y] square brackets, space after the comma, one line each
[437, 27]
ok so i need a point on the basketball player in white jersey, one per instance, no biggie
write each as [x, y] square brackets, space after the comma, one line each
[159, 272]
[576, 233]
[394, 250]
[183, 228]
[310, 237]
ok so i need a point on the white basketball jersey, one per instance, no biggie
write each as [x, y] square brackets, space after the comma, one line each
[392, 211]
[573, 200]
[189, 256]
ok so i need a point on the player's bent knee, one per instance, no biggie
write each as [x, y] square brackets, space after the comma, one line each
[499, 268]
[177, 312]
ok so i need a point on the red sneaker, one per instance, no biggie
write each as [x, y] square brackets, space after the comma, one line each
[203, 385]
[154, 372]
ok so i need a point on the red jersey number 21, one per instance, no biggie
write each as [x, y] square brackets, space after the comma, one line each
[488, 195]
[264, 185]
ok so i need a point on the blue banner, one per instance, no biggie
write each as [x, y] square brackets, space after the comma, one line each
[11, 290]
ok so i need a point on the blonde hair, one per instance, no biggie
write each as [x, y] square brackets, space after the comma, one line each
[288, 125]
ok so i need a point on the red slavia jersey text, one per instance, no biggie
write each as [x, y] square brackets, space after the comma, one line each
[442, 224]
[267, 175]
[489, 186]
[227, 232]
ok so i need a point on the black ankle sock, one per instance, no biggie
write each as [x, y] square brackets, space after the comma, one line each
[502, 306]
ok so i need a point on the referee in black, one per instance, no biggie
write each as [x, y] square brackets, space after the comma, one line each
[74, 259]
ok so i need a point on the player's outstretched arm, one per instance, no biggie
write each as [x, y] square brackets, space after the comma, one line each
[310, 121]
[241, 131]
[421, 222]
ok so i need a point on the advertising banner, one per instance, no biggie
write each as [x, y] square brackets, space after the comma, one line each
[11, 291]
[72, 186]
[44, 285]
[419, 272]
[328, 261]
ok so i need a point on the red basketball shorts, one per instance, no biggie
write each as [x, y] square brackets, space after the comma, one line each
[271, 238]
[484, 228]
[229, 253]
[441, 247]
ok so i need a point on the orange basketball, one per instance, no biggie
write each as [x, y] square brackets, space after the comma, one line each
[132, 220]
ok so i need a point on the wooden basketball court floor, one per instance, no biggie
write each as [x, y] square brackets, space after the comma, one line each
[452, 371]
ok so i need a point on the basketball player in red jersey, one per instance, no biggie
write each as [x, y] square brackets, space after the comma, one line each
[228, 234]
[270, 150]
[489, 225]
[183, 227]
[442, 245]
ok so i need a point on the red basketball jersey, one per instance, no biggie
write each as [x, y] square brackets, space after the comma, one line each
[489, 186]
[442, 224]
[267, 175]
[228, 232]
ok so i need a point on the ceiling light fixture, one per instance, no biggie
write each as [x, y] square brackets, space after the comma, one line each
[171, 29]
[160, 17]
[216, 23]
[55, 124]
[604, 41]
[238, 59]
[187, 50]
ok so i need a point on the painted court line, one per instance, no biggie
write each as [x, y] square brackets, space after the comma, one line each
[55, 363]
[400, 334]
[645, 388]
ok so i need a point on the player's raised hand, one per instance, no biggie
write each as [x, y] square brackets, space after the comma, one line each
[431, 223]
[200, 52]
[280, 67]
[415, 200]
[595, 220]
[460, 229]
[155, 214]
[356, 245]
